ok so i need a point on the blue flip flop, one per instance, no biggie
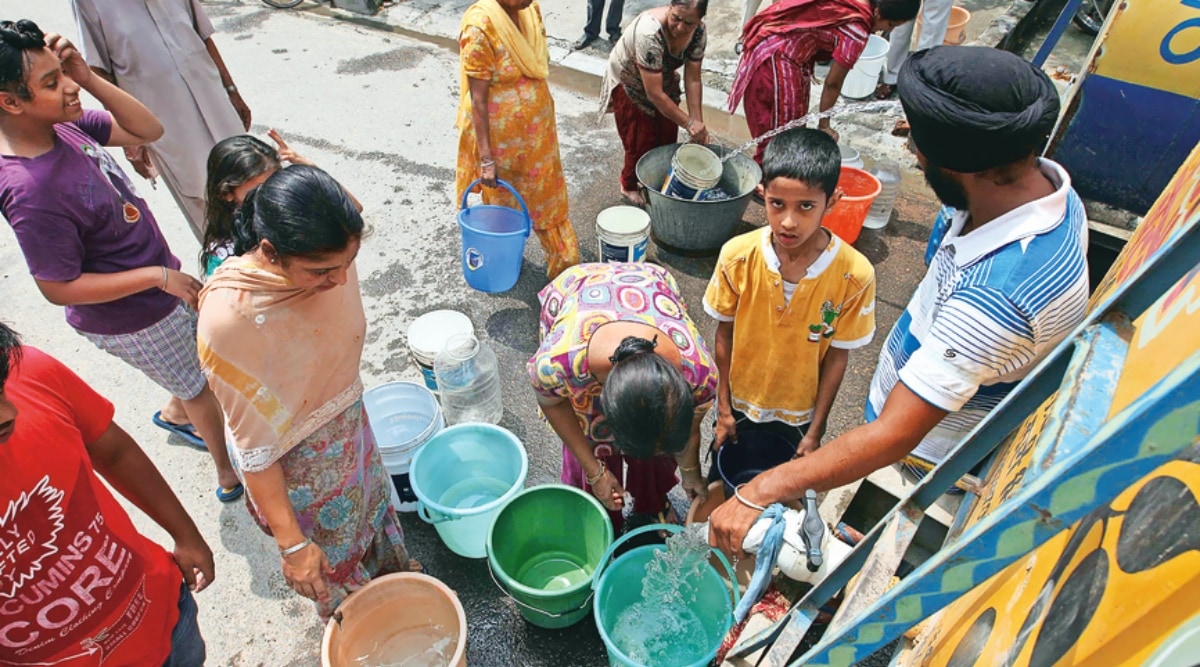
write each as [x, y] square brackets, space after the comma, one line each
[229, 495]
[185, 431]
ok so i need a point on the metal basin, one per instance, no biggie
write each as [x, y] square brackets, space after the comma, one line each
[696, 226]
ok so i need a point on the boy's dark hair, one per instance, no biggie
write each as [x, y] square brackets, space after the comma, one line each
[899, 11]
[231, 162]
[700, 5]
[806, 155]
[10, 352]
[301, 210]
[17, 39]
[646, 401]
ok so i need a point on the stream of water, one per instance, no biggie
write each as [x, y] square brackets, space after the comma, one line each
[875, 106]
[662, 628]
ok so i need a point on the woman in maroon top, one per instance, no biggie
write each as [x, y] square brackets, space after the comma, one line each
[781, 45]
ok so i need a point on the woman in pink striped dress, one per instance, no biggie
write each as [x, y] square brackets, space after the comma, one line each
[782, 43]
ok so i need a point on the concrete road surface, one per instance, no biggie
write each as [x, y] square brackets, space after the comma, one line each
[377, 111]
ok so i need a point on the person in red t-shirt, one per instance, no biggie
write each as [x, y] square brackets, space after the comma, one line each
[78, 584]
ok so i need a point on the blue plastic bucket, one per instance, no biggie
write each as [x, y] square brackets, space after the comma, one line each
[618, 586]
[403, 416]
[462, 478]
[493, 242]
[754, 452]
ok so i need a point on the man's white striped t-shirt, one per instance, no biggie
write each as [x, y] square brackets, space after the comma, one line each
[994, 302]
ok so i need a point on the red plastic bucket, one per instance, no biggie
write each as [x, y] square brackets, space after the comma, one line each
[859, 190]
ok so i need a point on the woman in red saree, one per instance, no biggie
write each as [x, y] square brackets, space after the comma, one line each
[782, 43]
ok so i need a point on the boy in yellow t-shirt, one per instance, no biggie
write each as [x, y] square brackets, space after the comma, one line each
[791, 300]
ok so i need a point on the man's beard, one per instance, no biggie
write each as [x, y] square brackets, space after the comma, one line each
[947, 190]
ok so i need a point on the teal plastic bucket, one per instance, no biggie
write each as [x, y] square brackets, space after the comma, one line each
[493, 242]
[619, 586]
[462, 478]
[543, 548]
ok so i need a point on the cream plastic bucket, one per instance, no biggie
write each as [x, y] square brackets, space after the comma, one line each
[427, 335]
[622, 234]
[861, 81]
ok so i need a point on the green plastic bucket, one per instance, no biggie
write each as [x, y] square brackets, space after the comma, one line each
[542, 550]
[619, 586]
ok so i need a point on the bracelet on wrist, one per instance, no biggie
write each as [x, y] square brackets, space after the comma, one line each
[488, 162]
[737, 493]
[164, 282]
[295, 548]
[683, 468]
[599, 473]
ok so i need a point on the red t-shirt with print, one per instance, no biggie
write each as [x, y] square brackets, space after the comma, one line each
[78, 584]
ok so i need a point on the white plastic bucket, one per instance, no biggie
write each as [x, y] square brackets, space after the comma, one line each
[622, 233]
[861, 81]
[694, 169]
[427, 335]
[851, 157]
[404, 416]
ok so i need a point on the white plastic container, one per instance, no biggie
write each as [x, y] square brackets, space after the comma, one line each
[850, 156]
[888, 173]
[793, 556]
[694, 169]
[469, 381]
[403, 417]
[427, 335]
[622, 233]
[861, 81]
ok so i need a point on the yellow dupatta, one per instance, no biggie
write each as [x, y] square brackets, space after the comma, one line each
[527, 46]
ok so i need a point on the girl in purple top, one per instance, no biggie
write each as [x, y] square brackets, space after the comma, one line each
[623, 375]
[91, 243]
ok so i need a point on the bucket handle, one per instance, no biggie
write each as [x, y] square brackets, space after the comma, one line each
[543, 612]
[671, 528]
[430, 516]
[515, 194]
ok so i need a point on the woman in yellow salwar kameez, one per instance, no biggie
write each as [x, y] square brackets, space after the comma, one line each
[506, 119]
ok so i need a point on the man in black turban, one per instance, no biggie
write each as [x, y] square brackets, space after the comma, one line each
[1007, 281]
[978, 111]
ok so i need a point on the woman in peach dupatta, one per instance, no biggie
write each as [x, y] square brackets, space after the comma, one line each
[281, 335]
[506, 119]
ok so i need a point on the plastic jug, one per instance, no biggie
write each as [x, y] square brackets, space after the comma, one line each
[468, 381]
[888, 174]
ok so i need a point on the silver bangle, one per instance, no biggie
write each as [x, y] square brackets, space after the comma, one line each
[164, 285]
[295, 548]
[737, 493]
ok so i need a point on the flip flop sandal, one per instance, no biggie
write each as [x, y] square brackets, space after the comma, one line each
[231, 494]
[185, 431]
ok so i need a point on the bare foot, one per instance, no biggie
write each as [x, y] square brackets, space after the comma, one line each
[633, 197]
[415, 566]
[901, 129]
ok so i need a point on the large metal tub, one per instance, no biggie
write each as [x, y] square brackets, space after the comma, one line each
[696, 226]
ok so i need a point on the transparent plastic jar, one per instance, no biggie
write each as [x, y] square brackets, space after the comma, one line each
[469, 382]
[888, 173]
